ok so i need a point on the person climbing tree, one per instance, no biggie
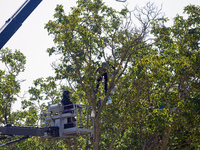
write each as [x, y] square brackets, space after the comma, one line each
[103, 73]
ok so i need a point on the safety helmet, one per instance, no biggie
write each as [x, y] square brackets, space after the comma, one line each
[66, 92]
[104, 64]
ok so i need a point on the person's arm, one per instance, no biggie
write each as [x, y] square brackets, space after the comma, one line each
[111, 66]
[62, 101]
[96, 71]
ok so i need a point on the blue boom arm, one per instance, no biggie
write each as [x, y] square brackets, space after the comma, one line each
[14, 23]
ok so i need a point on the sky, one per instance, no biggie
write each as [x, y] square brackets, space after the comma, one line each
[33, 40]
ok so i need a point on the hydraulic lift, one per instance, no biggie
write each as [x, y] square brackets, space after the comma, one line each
[56, 122]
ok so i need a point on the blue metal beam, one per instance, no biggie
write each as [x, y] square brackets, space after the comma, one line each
[15, 22]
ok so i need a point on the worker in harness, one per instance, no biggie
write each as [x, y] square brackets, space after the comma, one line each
[68, 108]
[103, 73]
[66, 100]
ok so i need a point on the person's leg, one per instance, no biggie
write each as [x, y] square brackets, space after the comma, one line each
[106, 82]
[98, 81]
[106, 88]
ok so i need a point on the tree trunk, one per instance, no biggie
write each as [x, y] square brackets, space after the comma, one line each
[75, 143]
[69, 144]
[165, 138]
[96, 133]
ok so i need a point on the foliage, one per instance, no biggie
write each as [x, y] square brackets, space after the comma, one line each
[89, 34]
[14, 64]
[154, 85]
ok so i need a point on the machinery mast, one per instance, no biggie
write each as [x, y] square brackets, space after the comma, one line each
[15, 22]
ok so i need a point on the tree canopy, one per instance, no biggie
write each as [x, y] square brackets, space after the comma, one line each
[153, 76]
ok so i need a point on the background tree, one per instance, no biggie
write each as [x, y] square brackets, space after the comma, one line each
[9, 84]
[179, 46]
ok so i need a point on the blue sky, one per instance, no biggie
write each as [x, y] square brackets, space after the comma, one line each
[32, 39]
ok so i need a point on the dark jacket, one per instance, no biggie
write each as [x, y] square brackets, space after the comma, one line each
[66, 101]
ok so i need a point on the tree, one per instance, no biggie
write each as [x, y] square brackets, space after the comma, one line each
[179, 45]
[14, 64]
[91, 33]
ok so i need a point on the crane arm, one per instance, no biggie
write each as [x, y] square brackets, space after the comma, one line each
[14, 23]
[29, 131]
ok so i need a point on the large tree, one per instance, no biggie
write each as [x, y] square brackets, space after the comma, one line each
[89, 34]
